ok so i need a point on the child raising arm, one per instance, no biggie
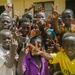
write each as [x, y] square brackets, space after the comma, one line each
[8, 50]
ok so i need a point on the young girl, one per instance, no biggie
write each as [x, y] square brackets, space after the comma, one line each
[32, 65]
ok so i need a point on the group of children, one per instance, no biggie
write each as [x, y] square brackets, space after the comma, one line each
[39, 45]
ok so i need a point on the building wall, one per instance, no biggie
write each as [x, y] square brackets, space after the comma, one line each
[2, 2]
[20, 5]
[61, 5]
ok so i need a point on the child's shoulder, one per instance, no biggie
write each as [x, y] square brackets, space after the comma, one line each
[60, 53]
[73, 28]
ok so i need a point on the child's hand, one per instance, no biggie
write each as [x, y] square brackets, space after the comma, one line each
[35, 49]
[16, 32]
[49, 18]
[57, 45]
[14, 46]
[41, 23]
[16, 14]
[24, 51]
[54, 13]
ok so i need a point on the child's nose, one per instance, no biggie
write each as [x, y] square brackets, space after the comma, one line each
[5, 23]
[69, 48]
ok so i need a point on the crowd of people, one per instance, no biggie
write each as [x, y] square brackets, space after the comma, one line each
[35, 44]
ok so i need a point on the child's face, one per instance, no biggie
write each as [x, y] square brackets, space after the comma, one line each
[25, 28]
[66, 18]
[39, 43]
[49, 43]
[49, 38]
[29, 15]
[69, 45]
[41, 24]
[36, 29]
[6, 22]
[6, 40]
[41, 15]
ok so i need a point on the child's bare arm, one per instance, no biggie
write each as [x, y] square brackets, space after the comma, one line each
[22, 54]
[55, 18]
[13, 49]
[36, 51]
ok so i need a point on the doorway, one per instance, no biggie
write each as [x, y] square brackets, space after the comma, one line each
[1, 9]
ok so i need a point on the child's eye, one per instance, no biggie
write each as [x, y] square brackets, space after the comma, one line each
[6, 38]
[65, 45]
[9, 38]
[73, 46]
[66, 16]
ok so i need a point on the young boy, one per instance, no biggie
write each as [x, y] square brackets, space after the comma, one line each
[5, 21]
[67, 17]
[65, 58]
[24, 27]
[8, 50]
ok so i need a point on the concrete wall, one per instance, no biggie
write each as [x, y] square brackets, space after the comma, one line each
[2, 2]
[61, 5]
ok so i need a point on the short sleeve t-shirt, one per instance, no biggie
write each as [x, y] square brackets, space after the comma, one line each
[3, 69]
[67, 65]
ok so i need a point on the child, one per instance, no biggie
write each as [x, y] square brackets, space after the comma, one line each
[24, 27]
[32, 65]
[8, 50]
[67, 17]
[5, 21]
[65, 58]
[51, 47]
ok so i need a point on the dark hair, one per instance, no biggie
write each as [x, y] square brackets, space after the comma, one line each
[39, 14]
[35, 38]
[4, 31]
[68, 11]
[67, 34]
[4, 14]
[23, 20]
[27, 14]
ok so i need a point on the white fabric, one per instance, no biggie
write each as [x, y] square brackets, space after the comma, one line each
[3, 69]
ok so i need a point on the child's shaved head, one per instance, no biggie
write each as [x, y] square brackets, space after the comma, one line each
[5, 32]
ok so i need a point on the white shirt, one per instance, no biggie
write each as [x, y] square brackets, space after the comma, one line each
[3, 69]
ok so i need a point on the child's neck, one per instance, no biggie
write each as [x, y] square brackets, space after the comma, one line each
[72, 57]
[68, 25]
[36, 57]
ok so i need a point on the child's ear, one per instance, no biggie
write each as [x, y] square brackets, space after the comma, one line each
[62, 46]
